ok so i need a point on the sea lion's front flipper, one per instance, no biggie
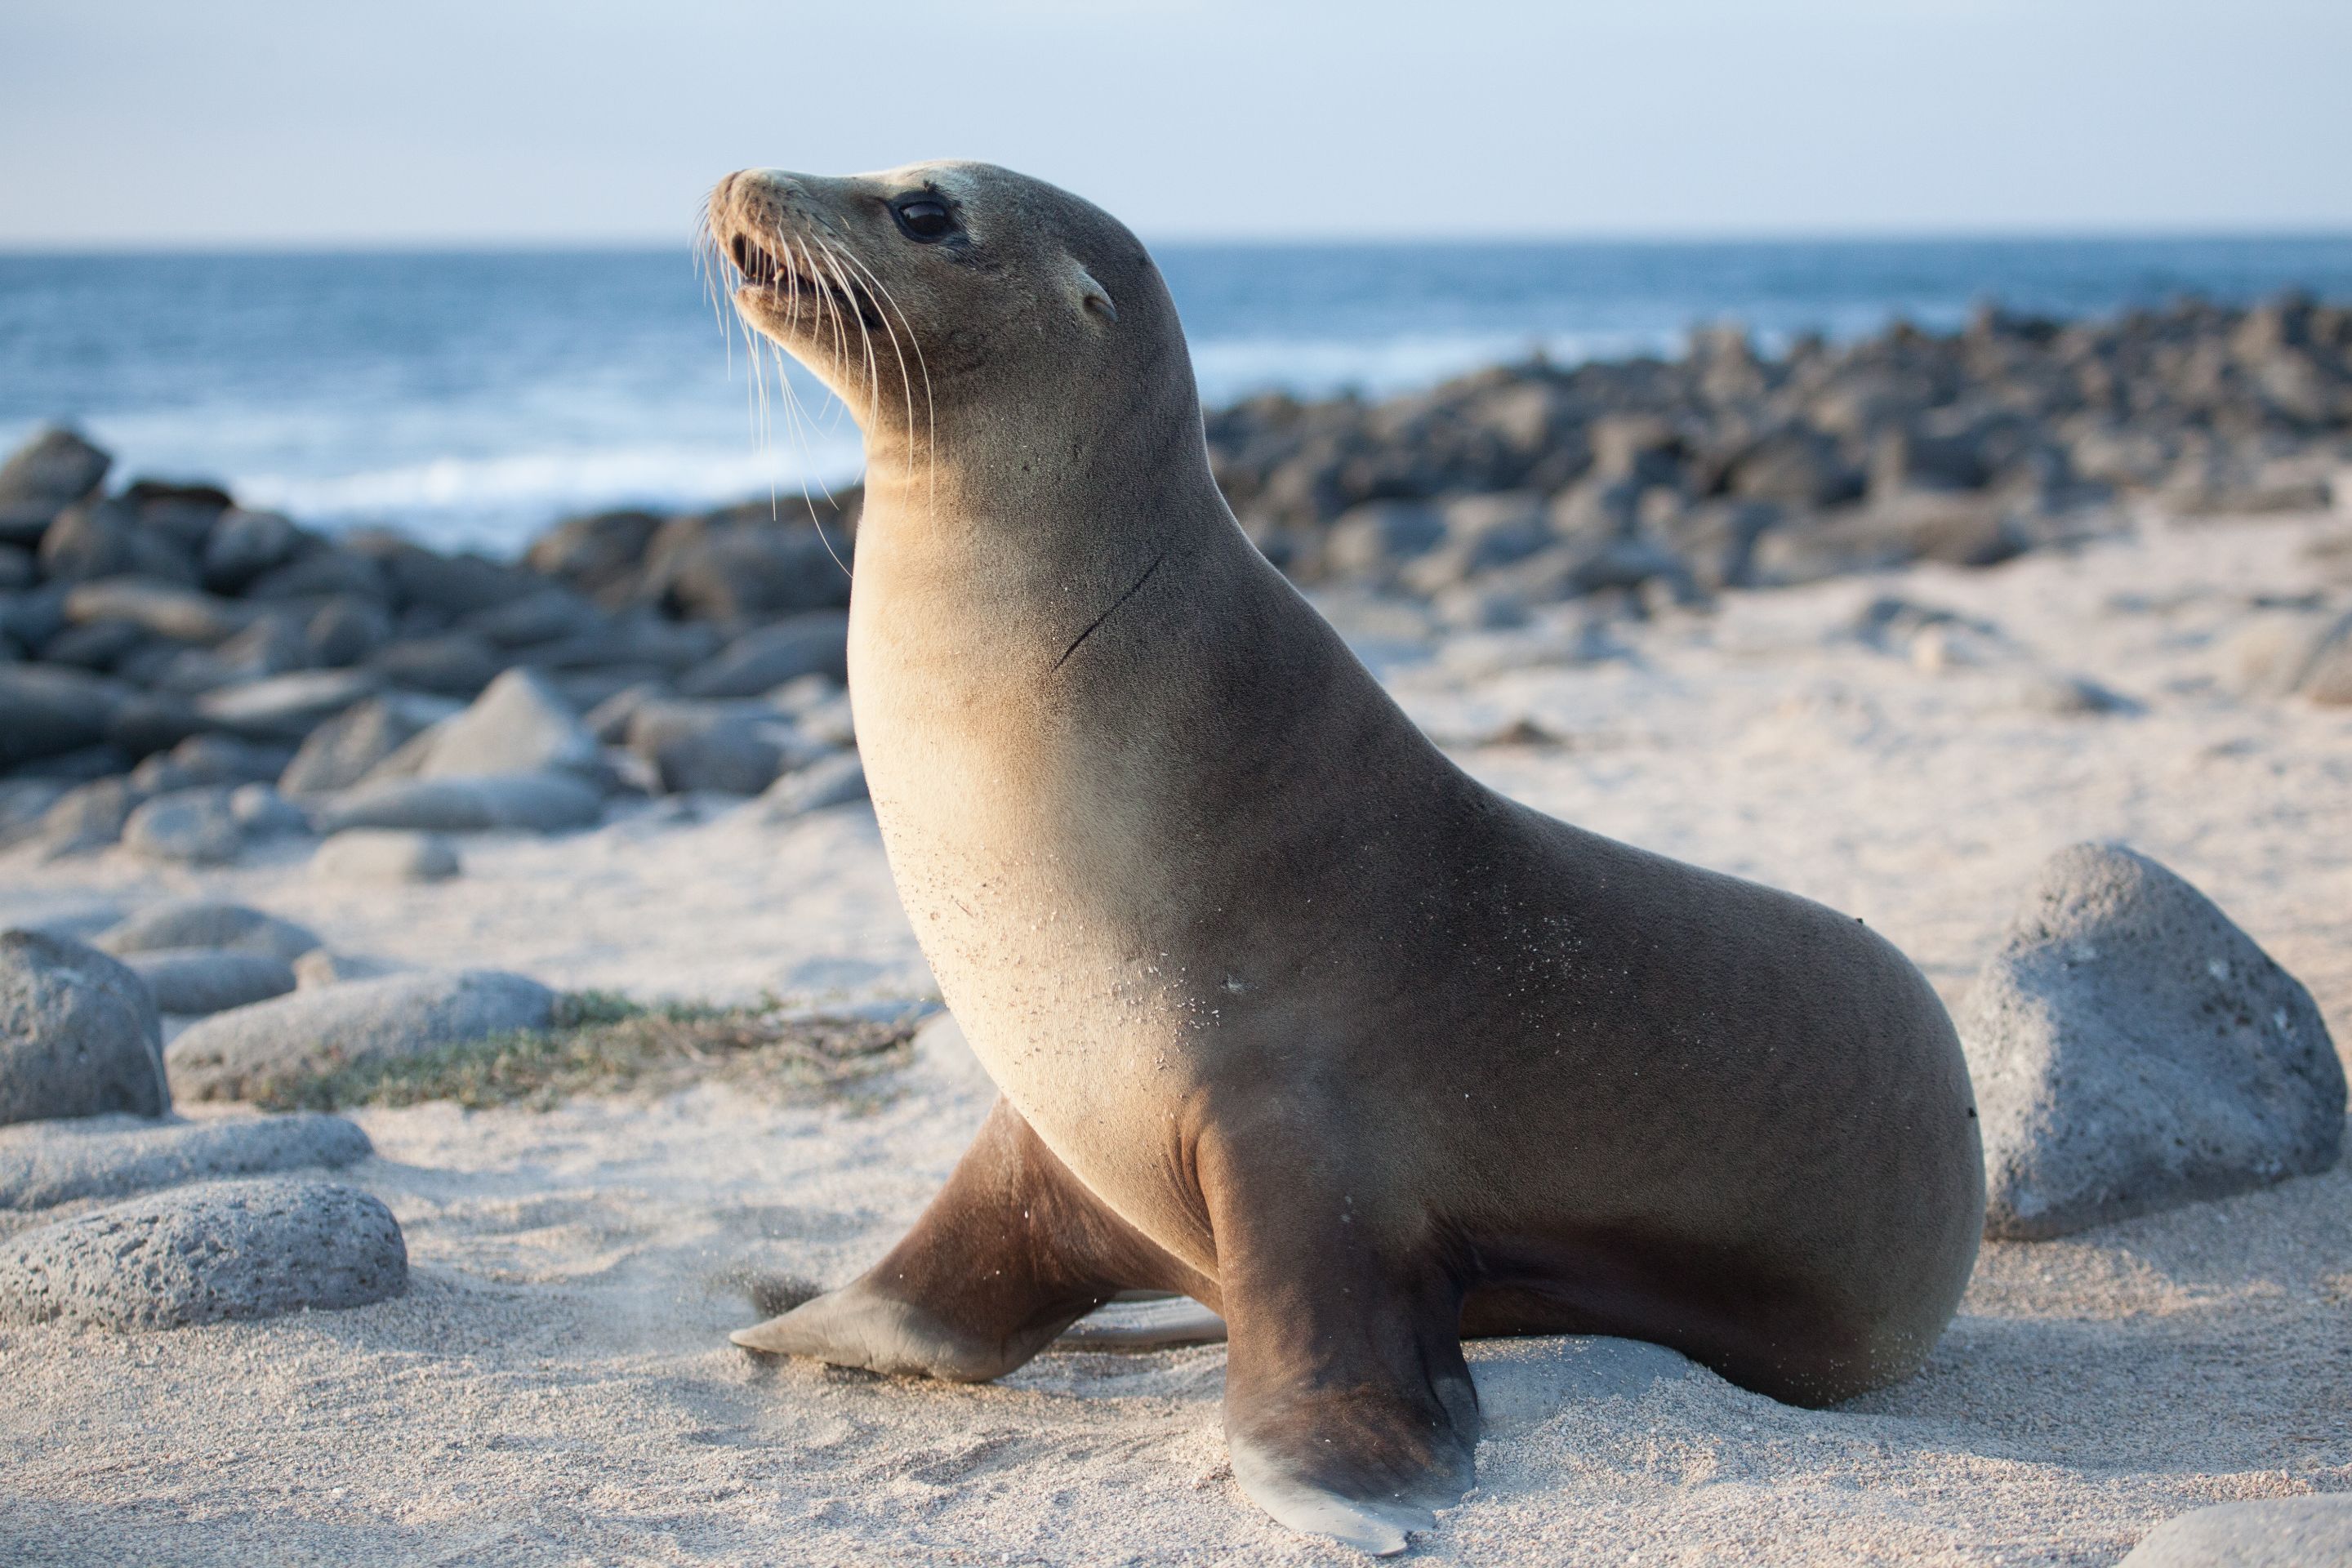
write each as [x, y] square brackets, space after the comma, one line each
[1013, 1251]
[1348, 1409]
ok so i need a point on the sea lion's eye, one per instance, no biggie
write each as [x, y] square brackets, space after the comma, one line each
[924, 219]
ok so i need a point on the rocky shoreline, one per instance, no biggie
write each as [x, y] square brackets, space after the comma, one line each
[183, 675]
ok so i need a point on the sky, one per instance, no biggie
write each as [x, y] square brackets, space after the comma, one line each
[137, 123]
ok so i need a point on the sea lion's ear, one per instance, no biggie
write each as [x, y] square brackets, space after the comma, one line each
[1089, 294]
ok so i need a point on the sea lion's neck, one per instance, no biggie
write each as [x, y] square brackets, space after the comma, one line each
[1010, 537]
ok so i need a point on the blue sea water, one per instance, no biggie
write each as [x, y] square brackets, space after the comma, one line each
[472, 399]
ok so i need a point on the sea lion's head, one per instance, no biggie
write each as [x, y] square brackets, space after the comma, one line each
[920, 291]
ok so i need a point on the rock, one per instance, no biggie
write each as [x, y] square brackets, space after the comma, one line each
[190, 982]
[2328, 681]
[594, 554]
[44, 1164]
[541, 802]
[2275, 653]
[98, 646]
[210, 760]
[345, 630]
[16, 569]
[103, 760]
[609, 720]
[2071, 696]
[42, 478]
[746, 564]
[319, 967]
[384, 855]
[2274, 1533]
[88, 816]
[213, 1252]
[165, 609]
[2132, 1050]
[192, 827]
[450, 585]
[816, 643]
[634, 643]
[94, 539]
[79, 1035]
[45, 711]
[836, 780]
[347, 748]
[147, 722]
[458, 664]
[23, 802]
[732, 748]
[517, 725]
[1370, 541]
[285, 707]
[322, 571]
[546, 615]
[263, 813]
[243, 544]
[249, 1050]
[206, 923]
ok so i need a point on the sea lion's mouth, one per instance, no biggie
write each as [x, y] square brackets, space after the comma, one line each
[786, 282]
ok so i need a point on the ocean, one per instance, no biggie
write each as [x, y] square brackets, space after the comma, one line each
[471, 399]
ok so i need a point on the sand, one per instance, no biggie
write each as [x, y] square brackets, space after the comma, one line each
[556, 1386]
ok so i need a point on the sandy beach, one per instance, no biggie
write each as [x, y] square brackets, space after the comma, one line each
[556, 1385]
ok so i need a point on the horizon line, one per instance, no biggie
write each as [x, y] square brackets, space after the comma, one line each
[523, 245]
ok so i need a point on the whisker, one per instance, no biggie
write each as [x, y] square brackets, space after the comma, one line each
[930, 405]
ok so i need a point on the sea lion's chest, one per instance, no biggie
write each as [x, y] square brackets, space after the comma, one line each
[1019, 896]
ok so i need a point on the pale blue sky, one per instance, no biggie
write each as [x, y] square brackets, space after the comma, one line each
[312, 122]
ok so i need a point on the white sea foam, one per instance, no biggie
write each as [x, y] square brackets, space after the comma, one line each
[492, 502]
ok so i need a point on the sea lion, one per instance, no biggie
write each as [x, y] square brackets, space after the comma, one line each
[1291, 1015]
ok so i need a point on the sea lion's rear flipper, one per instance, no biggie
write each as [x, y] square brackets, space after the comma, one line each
[1348, 1409]
[1013, 1251]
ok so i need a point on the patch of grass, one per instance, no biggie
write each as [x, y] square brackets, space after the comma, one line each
[602, 1043]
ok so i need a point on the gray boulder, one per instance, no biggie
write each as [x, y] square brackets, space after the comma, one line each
[2278, 653]
[816, 643]
[596, 554]
[88, 816]
[23, 803]
[2132, 1050]
[190, 827]
[203, 1254]
[206, 923]
[457, 664]
[347, 748]
[263, 813]
[165, 609]
[93, 539]
[517, 725]
[730, 747]
[237, 1053]
[43, 1164]
[202, 760]
[384, 855]
[344, 630]
[321, 967]
[44, 477]
[79, 1035]
[285, 707]
[836, 780]
[45, 711]
[243, 544]
[543, 616]
[2276, 1533]
[543, 803]
[194, 981]
[318, 572]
